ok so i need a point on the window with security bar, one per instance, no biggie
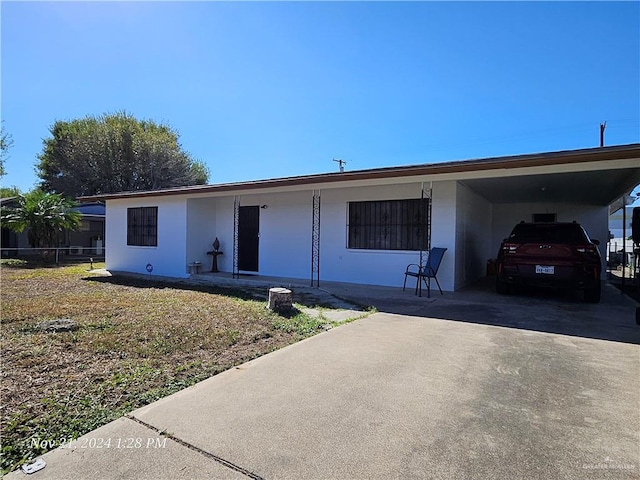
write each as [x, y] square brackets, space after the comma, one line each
[389, 225]
[142, 226]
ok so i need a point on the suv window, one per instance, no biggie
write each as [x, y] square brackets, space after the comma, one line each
[548, 233]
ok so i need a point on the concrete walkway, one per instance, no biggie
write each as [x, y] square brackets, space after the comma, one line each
[471, 385]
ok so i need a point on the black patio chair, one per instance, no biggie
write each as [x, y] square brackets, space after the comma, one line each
[427, 272]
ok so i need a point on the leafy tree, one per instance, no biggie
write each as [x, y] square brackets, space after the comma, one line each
[46, 215]
[114, 153]
[6, 142]
[7, 192]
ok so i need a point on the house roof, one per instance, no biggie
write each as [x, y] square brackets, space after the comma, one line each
[8, 201]
[463, 169]
[93, 209]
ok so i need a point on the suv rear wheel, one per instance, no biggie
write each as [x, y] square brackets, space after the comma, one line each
[502, 287]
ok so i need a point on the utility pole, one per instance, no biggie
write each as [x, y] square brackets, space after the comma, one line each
[340, 162]
[602, 127]
[624, 242]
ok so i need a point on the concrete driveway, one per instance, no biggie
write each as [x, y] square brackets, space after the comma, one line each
[470, 385]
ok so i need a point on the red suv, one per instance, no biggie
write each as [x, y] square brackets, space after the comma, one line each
[550, 255]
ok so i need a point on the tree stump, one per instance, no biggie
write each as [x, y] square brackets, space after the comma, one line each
[280, 300]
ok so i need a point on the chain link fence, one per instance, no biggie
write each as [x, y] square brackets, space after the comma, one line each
[56, 255]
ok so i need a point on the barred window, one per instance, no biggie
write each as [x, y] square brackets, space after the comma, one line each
[142, 226]
[389, 225]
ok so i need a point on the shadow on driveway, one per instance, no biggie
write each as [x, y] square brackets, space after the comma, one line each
[560, 312]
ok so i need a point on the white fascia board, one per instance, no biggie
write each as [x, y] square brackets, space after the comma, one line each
[538, 170]
[455, 176]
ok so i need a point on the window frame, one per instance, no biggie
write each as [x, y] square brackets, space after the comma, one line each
[144, 234]
[391, 225]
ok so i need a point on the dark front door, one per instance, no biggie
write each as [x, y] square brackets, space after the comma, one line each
[248, 233]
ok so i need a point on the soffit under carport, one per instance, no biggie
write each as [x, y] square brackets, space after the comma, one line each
[601, 187]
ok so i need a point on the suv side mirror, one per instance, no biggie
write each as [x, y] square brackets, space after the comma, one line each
[595, 242]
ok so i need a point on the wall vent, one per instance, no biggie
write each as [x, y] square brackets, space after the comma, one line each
[544, 217]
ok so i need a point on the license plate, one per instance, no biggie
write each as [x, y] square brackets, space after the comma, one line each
[544, 269]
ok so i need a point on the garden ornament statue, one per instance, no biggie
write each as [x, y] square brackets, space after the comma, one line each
[214, 255]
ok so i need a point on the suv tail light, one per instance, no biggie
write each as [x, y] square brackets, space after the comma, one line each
[509, 247]
[586, 249]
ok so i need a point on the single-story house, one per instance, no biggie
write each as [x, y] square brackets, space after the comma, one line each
[365, 226]
[88, 239]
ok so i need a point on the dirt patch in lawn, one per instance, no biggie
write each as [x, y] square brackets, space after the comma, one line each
[136, 342]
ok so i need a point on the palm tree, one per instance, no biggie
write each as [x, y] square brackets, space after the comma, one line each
[46, 215]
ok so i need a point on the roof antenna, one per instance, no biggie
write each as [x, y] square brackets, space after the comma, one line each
[602, 127]
[340, 162]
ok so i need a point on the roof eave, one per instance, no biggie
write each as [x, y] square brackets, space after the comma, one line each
[618, 152]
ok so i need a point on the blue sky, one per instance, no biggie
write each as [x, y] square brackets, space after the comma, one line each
[267, 89]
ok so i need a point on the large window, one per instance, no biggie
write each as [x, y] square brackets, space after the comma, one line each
[142, 226]
[389, 225]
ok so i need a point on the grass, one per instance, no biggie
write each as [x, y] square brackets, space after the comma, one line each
[300, 323]
[138, 341]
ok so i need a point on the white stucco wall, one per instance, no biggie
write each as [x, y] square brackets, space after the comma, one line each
[224, 231]
[473, 235]
[169, 257]
[285, 234]
[381, 267]
[284, 245]
[443, 229]
[201, 230]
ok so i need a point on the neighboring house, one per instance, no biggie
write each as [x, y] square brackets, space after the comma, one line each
[616, 221]
[89, 238]
[366, 226]
[619, 236]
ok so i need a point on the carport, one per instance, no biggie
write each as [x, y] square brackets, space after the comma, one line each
[562, 186]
